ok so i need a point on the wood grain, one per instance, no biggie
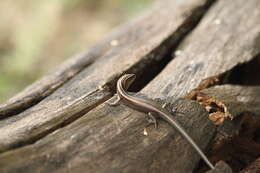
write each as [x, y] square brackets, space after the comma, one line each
[110, 139]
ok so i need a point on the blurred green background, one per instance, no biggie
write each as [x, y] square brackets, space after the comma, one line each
[36, 36]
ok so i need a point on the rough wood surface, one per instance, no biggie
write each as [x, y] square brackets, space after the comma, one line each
[221, 167]
[236, 141]
[227, 103]
[145, 42]
[110, 139]
[237, 98]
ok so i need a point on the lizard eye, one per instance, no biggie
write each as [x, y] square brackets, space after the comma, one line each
[174, 110]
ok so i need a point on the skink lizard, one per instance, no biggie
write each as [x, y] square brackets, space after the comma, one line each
[151, 108]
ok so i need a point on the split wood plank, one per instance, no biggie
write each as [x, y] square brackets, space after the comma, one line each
[145, 42]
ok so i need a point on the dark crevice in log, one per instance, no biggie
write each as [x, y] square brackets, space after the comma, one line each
[245, 74]
[163, 53]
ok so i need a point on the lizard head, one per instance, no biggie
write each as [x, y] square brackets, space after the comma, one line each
[128, 79]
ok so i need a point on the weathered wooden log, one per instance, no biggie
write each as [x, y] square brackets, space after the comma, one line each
[110, 139]
[143, 45]
[114, 135]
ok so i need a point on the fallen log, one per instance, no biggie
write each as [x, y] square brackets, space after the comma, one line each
[75, 130]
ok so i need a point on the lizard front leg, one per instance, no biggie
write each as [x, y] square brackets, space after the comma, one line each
[151, 119]
[116, 102]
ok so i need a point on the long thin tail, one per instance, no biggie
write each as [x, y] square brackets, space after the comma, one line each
[189, 139]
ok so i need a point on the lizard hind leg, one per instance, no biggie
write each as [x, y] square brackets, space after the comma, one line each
[114, 102]
[151, 119]
[173, 110]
